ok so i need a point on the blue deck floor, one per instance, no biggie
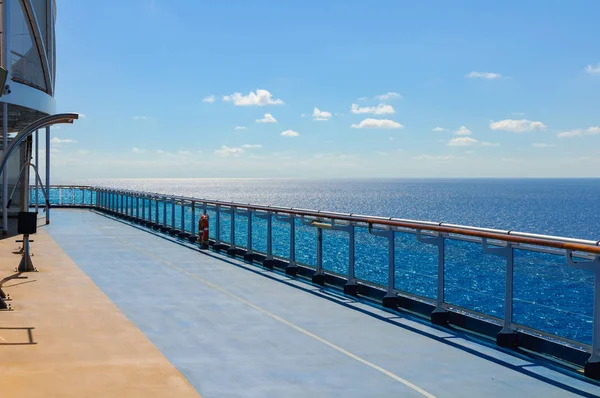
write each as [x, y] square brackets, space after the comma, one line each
[235, 330]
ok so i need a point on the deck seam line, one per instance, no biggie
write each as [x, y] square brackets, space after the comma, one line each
[282, 320]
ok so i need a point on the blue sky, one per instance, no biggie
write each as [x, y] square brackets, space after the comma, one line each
[515, 86]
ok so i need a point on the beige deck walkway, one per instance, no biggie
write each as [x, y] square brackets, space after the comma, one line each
[66, 338]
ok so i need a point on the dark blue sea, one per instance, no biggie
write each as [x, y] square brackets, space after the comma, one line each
[549, 295]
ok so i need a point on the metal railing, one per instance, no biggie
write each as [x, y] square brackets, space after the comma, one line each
[524, 284]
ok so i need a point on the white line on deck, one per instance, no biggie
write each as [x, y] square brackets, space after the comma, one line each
[285, 322]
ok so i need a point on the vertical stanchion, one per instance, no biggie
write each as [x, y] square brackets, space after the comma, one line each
[48, 173]
[37, 159]
[173, 214]
[439, 316]
[351, 286]
[592, 366]
[218, 226]
[182, 232]
[249, 256]
[319, 276]
[193, 226]
[507, 337]
[232, 249]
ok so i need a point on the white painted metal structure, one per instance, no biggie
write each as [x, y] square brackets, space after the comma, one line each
[28, 53]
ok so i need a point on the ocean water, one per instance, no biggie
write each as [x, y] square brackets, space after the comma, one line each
[548, 295]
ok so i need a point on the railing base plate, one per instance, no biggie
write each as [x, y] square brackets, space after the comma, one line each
[319, 279]
[390, 302]
[249, 257]
[507, 340]
[291, 271]
[351, 290]
[592, 370]
[439, 318]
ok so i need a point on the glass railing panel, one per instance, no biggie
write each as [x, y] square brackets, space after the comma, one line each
[335, 251]
[306, 244]
[241, 230]
[225, 224]
[416, 265]
[78, 197]
[553, 297]
[177, 223]
[371, 258]
[474, 280]
[187, 214]
[281, 238]
[259, 234]
[212, 222]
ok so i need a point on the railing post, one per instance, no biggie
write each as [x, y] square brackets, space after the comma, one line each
[390, 299]
[182, 233]
[592, 366]
[218, 227]
[232, 248]
[269, 236]
[391, 288]
[439, 316]
[156, 214]
[291, 268]
[319, 275]
[193, 226]
[172, 214]
[351, 287]
[249, 256]
[144, 208]
[507, 337]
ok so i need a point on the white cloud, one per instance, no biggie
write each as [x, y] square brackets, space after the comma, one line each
[239, 128]
[463, 130]
[542, 145]
[226, 151]
[83, 152]
[389, 95]
[437, 129]
[251, 146]
[267, 119]
[321, 115]
[289, 133]
[303, 115]
[579, 132]
[462, 141]
[184, 153]
[441, 158]
[381, 109]
[137, 150]
[210, 99]
[59, 141]
[377, 124]
[161, 151]
[54, 150]
[260, 98]
[517, 126]
[362, 99]
[491, 144]
[593, 70]
[519, 113]
[510, 160]
[141, 117]
[483, 75]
